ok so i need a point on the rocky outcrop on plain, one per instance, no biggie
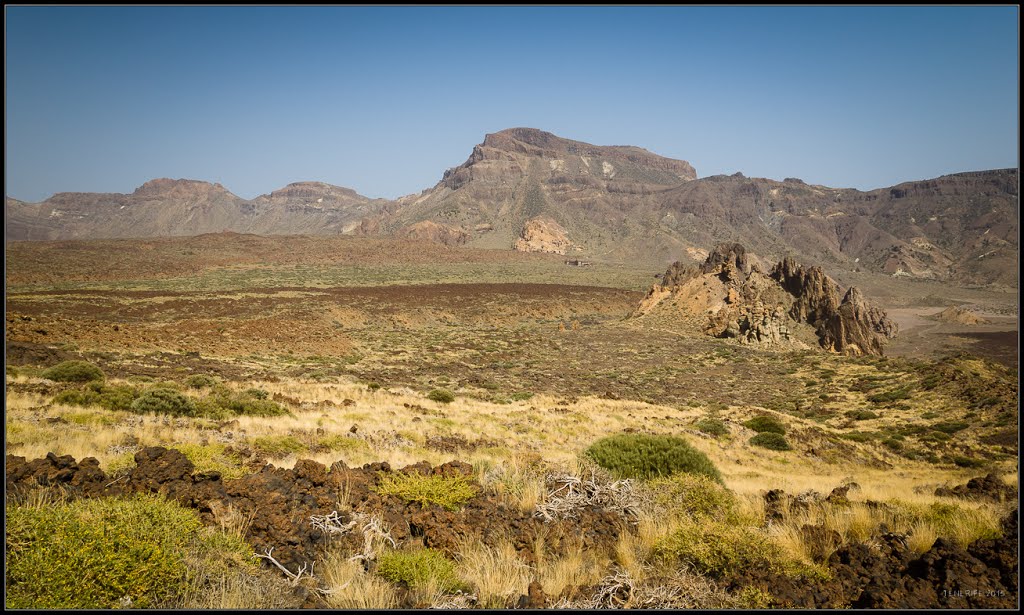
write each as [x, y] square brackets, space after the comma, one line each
[438, 233]
[743, 302]
[543, 235]
[960, 316]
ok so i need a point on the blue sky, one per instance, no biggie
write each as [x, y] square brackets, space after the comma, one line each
[384, 99]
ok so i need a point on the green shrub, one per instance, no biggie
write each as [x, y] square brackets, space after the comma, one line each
[771, 440]
[255, 393]
[250, 406]
[279, 446]
[859, 436]
[119, 397]
[765, 424]
[715, 547]
[201, 381]
[441, 396]
[101, 553]
[891, 396]
[893, 444]
[712, 427]
[164, 401]
[861, 415]
[73, 371]
[968, 462]
[520, 396]
[950, 427]
[418, 568]
[213, 458]
[450, 492]
[692, 495]
[373, 386]
[650, 456]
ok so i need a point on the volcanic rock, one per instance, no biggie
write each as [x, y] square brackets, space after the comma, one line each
[777, 309]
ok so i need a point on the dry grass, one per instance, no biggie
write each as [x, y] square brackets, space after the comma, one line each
[349, 586]
[496, 573]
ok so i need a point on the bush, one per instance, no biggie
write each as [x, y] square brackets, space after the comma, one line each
[450, 492]
[249, 406]
[765, 424]
[201, 381]
[950, 427]
[418, 568]
[255, 393]
[441, 396]
[213, 457]
[692, 495]
[861, 415]
[118, 397]
[712, 427]
[771, 440]
[715, 547]
[101, 553]
[164, 401]
[647, 456]
[73, 371]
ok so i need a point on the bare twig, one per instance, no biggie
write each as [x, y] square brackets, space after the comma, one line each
[295, 577]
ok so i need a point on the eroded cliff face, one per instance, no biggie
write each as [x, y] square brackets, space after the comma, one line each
[787, 307]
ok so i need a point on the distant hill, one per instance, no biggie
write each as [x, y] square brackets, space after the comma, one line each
[176, 207]
[530, 190]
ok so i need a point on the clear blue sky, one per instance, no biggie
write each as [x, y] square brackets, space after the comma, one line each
[384, 99]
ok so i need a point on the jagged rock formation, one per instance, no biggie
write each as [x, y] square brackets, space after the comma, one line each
[737, 299]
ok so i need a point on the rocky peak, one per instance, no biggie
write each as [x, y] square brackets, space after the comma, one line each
[768, 309]
[855, 327]
[817, 295]
[729, 261]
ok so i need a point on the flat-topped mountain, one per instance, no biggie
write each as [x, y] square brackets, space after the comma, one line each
[175, 207]
[530, 190]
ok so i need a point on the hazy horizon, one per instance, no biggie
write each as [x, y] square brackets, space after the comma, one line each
[384, 99]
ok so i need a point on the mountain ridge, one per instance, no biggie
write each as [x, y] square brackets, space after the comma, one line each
[528, 189]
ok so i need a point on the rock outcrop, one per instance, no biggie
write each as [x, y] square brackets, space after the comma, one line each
[770, 310]
[438, 233]
[960, 316]
[543, 235]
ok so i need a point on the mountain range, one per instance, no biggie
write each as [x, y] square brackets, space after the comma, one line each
[530, 190]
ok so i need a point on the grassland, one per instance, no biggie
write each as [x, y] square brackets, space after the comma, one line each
[542, 360]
